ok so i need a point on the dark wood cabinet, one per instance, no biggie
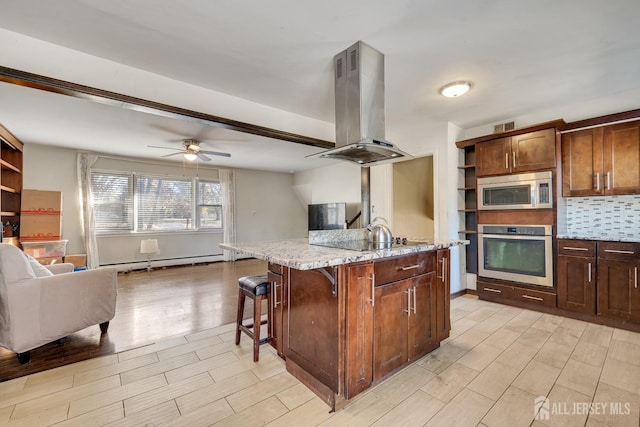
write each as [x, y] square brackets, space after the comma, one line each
[621, 159]
[404, 322]
[343, 329]
[576, 269]
[603, 160]
[359, 328]
[277, 276]
[525, 152]
[443, 294]
[618, 288]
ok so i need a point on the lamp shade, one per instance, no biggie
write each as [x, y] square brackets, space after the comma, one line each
[149, 246]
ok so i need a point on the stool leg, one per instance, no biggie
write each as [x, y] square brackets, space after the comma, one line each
[241, 297]
[257, 308]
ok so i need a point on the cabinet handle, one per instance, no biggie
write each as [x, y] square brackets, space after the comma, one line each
[275, 291]
[408, 310]
[635, 273]
[414, 295]
[589, 266]
[598, 181]
[444, 270]
[608, 181]
[533, 298]
[514, 159]
[572, 248]
[497, 291]
[373, 286]
[506, 160]
[411, 267]
[616, 251]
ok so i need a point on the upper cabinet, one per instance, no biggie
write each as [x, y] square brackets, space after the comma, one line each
[603, 160]
[525, 152]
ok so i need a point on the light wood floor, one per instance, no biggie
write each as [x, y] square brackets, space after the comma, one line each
[498, 360]
[151, 306]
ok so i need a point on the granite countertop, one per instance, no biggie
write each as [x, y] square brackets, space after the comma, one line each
[601, 238]
[299, 254]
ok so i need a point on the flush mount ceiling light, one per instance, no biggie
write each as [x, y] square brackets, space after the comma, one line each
[455, 89]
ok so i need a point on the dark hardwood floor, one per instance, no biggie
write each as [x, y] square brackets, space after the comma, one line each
[151, 306]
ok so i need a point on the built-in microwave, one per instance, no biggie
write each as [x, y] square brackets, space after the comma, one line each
[516, 191]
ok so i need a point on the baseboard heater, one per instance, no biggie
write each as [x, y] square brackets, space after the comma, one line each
[167, 262]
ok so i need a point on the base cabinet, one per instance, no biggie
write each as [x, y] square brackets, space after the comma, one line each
[343, 329]
[618, 287]
[443, 294]
[277, 276]
[600, 279]
[576, 269]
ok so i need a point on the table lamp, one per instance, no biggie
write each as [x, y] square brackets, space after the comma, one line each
[148, 247]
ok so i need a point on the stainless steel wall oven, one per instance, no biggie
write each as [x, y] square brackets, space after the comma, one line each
[518, 253]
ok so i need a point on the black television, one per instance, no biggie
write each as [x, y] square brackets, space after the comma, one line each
[327, 216]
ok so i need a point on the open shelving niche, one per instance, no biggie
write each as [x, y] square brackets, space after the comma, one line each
[10, 180]
[468, 206]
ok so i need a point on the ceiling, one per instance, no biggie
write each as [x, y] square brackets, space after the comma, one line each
[523, 57]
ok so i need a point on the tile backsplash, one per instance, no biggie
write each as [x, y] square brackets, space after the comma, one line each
[607, 217]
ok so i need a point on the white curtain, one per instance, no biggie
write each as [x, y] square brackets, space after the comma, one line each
[85, 162]
[228, 184]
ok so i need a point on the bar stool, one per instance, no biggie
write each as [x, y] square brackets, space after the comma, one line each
[257, 288]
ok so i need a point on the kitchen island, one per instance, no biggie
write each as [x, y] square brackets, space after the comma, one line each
[345, 320]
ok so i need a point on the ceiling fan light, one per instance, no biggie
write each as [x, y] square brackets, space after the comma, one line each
[455, 89]
[190, 156]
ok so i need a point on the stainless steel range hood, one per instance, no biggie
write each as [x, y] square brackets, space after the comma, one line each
[359, 96]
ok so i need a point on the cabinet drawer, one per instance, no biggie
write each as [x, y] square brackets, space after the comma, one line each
[491, 290]
[276, 268]
[534, 297]
[403, 267]
[581, 248]
[621, 251]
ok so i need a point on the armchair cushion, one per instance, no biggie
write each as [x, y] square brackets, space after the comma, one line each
[38, 269]
[14, 265]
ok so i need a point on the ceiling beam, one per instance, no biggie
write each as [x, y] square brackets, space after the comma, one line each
[49, 84]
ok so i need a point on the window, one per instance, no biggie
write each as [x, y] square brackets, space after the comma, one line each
[210, 204]
[161, 203]
[112, 201]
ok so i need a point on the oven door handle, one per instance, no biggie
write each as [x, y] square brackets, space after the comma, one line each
[514, 236]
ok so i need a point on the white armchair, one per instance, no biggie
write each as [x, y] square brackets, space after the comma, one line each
[38, 307]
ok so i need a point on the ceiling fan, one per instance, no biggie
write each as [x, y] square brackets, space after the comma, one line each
[191, 151]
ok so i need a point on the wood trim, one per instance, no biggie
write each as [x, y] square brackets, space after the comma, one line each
[558, 124]
[62, 87]
[10, 138]
[603, 120]
[464, 292]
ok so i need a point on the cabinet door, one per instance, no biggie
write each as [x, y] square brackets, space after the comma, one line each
[577, 284]
[277, 309]
[533, 151]
[492, 157]
[443, 295]
[618, 289]
[422, 331]
[390, 327]
[622, 158]
[582, 163]
[359, 329]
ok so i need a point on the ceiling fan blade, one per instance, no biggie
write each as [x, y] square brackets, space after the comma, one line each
[203, 157]
[215, 153]
[165, 148]
[172, 154]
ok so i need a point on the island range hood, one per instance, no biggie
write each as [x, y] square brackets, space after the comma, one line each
[359, 97]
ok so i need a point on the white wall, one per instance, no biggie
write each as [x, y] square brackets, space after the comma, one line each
[267, 207]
